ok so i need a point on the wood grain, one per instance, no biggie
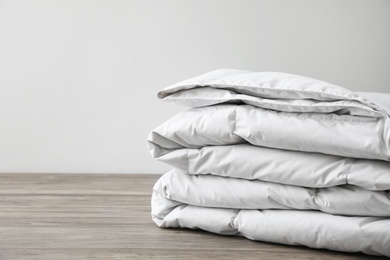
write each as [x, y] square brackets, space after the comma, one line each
[107, 216]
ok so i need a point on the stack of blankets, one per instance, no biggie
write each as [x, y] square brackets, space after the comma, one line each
[276, 157]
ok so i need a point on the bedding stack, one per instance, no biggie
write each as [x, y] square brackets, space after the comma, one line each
[276, 157]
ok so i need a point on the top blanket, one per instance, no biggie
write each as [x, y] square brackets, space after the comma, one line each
[277, 110]
[269, 90]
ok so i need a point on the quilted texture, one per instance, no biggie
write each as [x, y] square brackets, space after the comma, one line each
[276, 157]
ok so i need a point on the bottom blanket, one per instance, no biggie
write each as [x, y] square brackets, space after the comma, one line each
[299, 217]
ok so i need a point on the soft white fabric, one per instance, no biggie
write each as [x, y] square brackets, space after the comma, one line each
[213, 191]
[381, 99]
[270, 90]
[276, 157]
[281, 166]
[343, 135]
[293, 227]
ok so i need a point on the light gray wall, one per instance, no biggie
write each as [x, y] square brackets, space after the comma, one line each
[78, 78]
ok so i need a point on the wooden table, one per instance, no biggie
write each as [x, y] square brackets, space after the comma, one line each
[107, 216]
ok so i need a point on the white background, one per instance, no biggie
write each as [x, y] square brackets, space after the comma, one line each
[78, 78]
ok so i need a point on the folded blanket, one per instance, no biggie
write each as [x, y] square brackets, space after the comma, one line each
[276, 157]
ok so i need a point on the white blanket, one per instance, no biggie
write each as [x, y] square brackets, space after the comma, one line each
[276, 157]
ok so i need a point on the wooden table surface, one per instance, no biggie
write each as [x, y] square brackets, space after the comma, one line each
[107, 216]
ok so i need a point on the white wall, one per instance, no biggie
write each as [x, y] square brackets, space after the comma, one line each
[78, 78]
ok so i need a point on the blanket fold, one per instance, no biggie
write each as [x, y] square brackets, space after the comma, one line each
[276, 157]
